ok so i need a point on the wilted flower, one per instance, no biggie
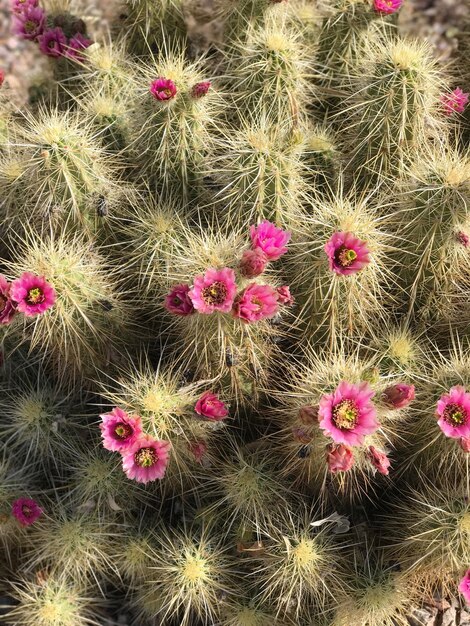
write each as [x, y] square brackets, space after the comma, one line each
[308, 414]
[198, 449]
[340, 458]
[211, 407]
[163, 89]
[119, 430]
[284, 295]
[77, 44]
[463, 238]
[464, 587]
[179, 302]
[379, 460]
[146, 459]
[26, 511]
[7, 306]
[270, 239]
[53, 43]
[214, 291]
[398, 396]
[387, 6]
[253, 263]
[301, 434]
[33, 294]
[29, 23]
[455, 101]
[200, 89]
[453, 410]
[346, 253]
[255, 303]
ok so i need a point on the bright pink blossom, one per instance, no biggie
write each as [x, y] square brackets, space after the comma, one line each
[454, 102]
[200, 89]
[348, 415]
[163, 89]
[29, 23]
[119, 430]
[26, 511]
[33, 294]
[146, 459]
[255, 303]
[387, 6]
[214, 291]
[284, 295]
[453, 411]
[77, 44]
[253, 263]
[464, 587]
[346, 253]
[270, 239]
[7, 306]
[398, 396]
[340, 458]
[178, 301]
[211, 407]
[53, 43]
[379, 460]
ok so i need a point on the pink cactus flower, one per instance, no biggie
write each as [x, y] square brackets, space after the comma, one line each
[255, 303]
[29, 24]
[308, 414]
[464, 586]
[284, 295]
[77, 44]
[454, 102]
[387, 6]
[398, 396]
[348, 415]
[26, 511]
[340, 458]
[253, 263]
[53, 42]
[198, 449]
[33, 294]
[146, 459]
[211, 407]
[214, 291]
[20, 6]
[379, 460]
[465, 444]
[163, 89]
[200, 89]
[119, 430]
[346, 253]
[453, 411]
[7, 306]
[463, 238]
[178, 301]
[270, 239]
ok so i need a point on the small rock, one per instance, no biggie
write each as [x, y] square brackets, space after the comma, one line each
[448, 619]
[423, 617]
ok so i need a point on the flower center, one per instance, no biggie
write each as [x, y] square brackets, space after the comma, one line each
[122, 430]
[35, 296]
[258, 303]
[455, 414]
[30, 26]
[345, 256]
[345, 415]
[26, 510]
[215, 294]
[145, 457]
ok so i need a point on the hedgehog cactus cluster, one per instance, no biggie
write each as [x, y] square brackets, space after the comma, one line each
[234, 318]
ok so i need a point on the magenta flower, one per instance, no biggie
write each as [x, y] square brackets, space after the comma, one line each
[214, 291]
[453, 410]
[463, 238]
[163, 89]
[379, 460]
[308, 414]
[270, 239]
[19, 6]
[255, 303]
[33, 294]
[29, 24]
[26, 511]
[146, 459]
[119, 430]
[200, 89]
[464, 586]
[340, 458]
[465, 444]
[7, 306]
[77, 44]
[253, 263]
[454, 102]
[179, 302]
[211, 407]
[346, 253]
[284, 295]
[53, 43]
[387, 6]
[198, 449]
[348, 414]
[398, 396]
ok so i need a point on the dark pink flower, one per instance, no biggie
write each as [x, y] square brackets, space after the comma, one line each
[119, 430]
[146, 459]
[464, 586]
[463, 238]
[387, 6]
[255, 303]
[178, 301]
[308, 414]
[33, 294]
[211, 407]
[163, 89]
[53, 43]
[200, 89]
[20, 6]
[454, 102]
[340, 458]
[465, 444]
[198, 449]
[271, 239]
[26, 511]
[398, 396]
[253, 263]
[2, 77]
[453, 410]
[214, 291]
[7, 306]
[348, 414]
[29, 24]
[379, 460]
[77, 44]
[346, 253]
[284, 295]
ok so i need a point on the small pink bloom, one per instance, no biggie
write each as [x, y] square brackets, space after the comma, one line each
[26, 511]
[211, 407]
[198, 449]
[308, 414]
[348, 414]
[179, 302]
[2, 77]
[284, 295]
[379, 460]
[20, 6]
[77, 44]
[200, 89]
[340, 458]
[29, 24]
[464, 587]
[163, 89]
[33, 294]
[346, 253]
[463, 238]
[7, 306]
[465, 444]
[119, 430]
[454, 102]
[271, 239]
[53, 43]
[214, 291]
[453, 410]
[387, 6]
[255, 303]
[253, 263]
[146, 459]
[398, 396]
